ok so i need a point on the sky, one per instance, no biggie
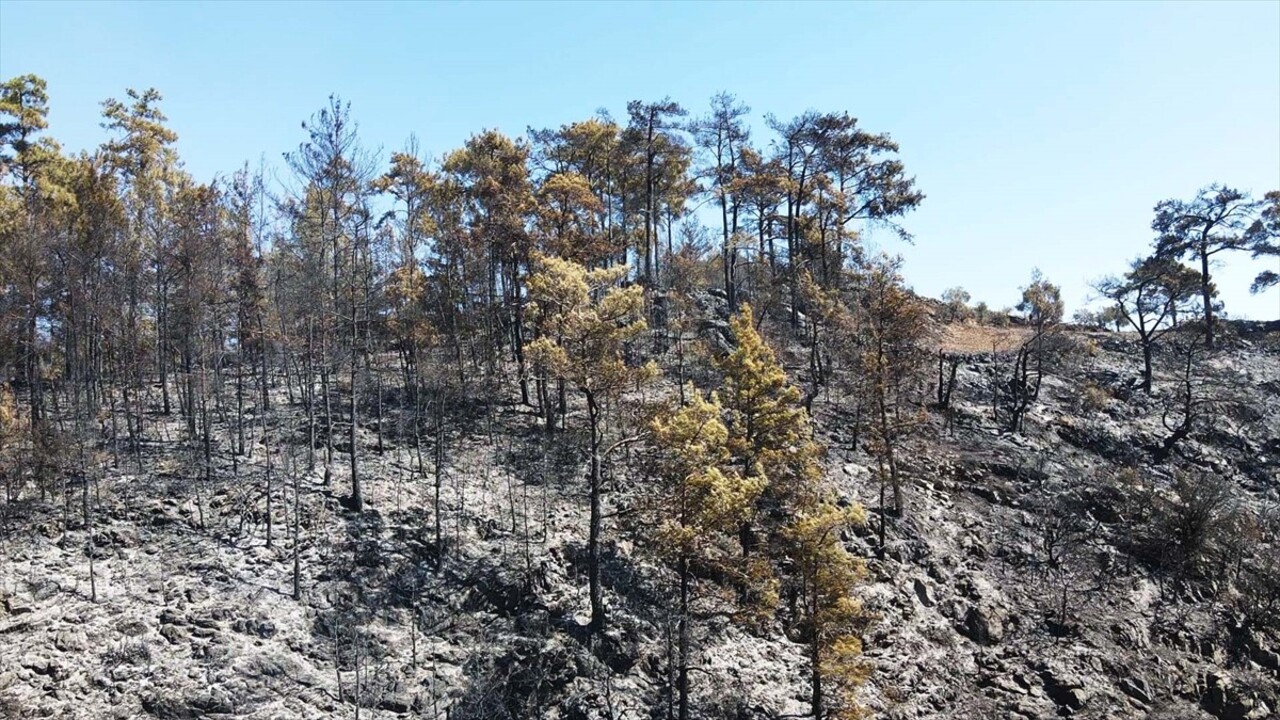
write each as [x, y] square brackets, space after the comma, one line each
[1042, 134]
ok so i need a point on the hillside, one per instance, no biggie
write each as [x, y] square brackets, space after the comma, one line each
[194, 616]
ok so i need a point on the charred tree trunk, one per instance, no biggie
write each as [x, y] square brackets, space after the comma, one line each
[596, 520]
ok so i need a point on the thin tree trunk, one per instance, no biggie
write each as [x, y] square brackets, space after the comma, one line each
[596, 521]
[682, 677]
[1206, 289]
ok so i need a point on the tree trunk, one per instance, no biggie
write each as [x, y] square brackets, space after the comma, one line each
[682, 677]
[593, 536]
[815, 658]
[1146, 365]
[1206, 290]
[439, 478]
[357, 497]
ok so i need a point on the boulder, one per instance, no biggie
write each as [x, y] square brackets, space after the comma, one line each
[983, 623]
[923, 593]
[1269, 659]
[174, 634]
[259, 628]
[1222, 700]
[1066, 689]
[69, 640]
[17, 605]
[397, 701]
[1137, 688]
[41, 665]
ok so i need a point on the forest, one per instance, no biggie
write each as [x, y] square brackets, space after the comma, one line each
[619, 418]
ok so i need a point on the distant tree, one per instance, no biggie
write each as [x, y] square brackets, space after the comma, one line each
[652, 132]
[1218, 219]
[142, 154]
[1086, 318]
[38, 210]
[1041, 303]
[1148, 298]
[1041, 307]
[981, 312]
[568, 214]
[761, 185]
[957, 302]
[1111, 316]
[836, 174]
[591, 150]
[722, 136]
[491, 177]
[1264, 240]
[332, 226]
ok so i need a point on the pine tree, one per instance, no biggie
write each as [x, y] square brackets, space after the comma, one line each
[769, 432]
[892, 365]
[830, 618]
[770, 435]
[585, 321]
[704, 501]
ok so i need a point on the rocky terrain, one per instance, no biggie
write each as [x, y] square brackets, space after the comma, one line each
[1003, 532]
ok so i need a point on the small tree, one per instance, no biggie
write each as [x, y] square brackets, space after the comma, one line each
[1194, 397]
[9, 434]
[1041, 307]
[1111, 317]
[831, 619]
[957, 302]
[893, 361]
[771, 437]
[1148, 297]
[704, 501]
[587, 321]
[1217, 220]
[769, 434]
[982, 312]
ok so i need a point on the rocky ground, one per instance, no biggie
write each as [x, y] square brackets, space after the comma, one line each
[194, 614]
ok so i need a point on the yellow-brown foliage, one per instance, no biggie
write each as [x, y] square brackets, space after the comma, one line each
[584, 319]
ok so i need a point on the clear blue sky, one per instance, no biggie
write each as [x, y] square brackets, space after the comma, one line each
[1042, 133]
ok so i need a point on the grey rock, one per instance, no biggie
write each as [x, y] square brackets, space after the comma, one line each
[18, 605]
[1222, 700]
[41, 665]
[984, 624]
[1065, 689]
[1137, 688]
[397, 702]
[69, 640]
[173, 634]
[1269, 659]
[923, 593]
[200, 621]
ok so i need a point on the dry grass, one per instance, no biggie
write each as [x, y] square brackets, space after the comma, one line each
[968, 338]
